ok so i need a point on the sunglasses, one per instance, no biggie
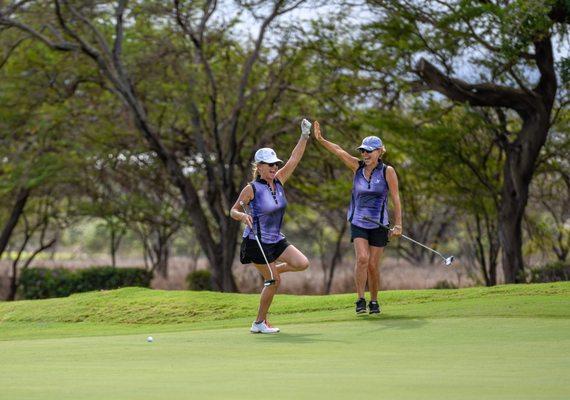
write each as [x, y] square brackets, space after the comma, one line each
[366, 151]
[269, 164]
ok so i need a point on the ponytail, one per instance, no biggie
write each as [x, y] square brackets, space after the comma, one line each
[254, 171]
[382, 152]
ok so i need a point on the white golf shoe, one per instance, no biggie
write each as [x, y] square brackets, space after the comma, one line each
[263, 327]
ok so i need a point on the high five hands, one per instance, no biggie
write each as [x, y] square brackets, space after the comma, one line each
[317, 130]
[305, 128]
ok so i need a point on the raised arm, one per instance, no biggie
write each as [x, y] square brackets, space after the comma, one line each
[236, 211]
[392, 179]
[285, 172]
[348, 160]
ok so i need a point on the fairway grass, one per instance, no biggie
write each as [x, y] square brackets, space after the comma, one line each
[507, 342]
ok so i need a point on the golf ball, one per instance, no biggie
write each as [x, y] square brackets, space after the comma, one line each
[149, 339]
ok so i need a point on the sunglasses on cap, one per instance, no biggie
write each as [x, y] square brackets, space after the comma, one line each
[269, 164]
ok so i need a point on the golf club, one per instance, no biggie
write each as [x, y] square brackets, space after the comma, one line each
[446, 260]
[272, 280]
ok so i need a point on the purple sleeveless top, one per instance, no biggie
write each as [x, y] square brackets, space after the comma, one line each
[267, 209]
[369, 197]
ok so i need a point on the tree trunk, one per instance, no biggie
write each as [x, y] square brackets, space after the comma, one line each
[487, 259]
[492, 271]
[336, 258]
[113, 249]
[13, 288]
[17, 211]
[222, 276]
[162, 256]
[519, 167]
[511, 213]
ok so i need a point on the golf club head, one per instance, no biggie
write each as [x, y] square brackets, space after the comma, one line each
[449, 260]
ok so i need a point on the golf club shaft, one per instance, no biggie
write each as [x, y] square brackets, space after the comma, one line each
[263, 253]
[405, 237]
[423, 245]
[259, 244]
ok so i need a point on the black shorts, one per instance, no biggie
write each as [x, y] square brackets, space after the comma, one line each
[377, 237]
[250, 253]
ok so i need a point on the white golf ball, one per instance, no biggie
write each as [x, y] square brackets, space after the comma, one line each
[149, 339]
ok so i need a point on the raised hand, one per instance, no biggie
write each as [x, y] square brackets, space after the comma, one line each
[305, 128]
[317, 131]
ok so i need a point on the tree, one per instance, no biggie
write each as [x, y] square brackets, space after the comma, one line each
[42, 227]
[226, 108]
[510, 44]
[39, 153]
[547, 221]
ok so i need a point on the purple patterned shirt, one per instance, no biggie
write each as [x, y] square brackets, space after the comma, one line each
[267, 209]
[369, 198]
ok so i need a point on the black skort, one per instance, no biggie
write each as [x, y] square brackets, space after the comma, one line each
[377, 237]
[250, 253]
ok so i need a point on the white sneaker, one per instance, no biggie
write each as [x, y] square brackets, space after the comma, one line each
[270, 326]
[262, 327]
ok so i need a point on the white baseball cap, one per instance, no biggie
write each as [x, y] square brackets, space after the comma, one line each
[267, 156]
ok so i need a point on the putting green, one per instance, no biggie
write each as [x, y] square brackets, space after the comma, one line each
[510, 342]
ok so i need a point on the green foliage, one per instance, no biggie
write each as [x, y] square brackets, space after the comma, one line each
[63, 126]
[199, 280]
[43, 283]
[553, 272]
[524, 21]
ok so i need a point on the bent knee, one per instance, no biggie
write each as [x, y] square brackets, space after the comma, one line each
[274, 285]
[277, 281]
[303, 264]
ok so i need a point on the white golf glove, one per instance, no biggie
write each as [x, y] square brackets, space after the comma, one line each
[305, 129]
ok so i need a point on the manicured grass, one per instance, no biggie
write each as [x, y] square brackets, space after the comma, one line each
[508, 342]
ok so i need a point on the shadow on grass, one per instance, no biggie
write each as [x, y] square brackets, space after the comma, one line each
[384, 321]
[298, 338]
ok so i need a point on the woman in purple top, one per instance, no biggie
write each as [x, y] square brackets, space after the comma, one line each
[265, 197]
[372, 182]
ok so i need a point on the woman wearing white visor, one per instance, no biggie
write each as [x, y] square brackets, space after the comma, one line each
[266, 201]
[372, 182]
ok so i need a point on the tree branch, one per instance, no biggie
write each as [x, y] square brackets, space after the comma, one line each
[544, 58]
[10, 51]
[62, 46]
[119, 31]
[482, 95]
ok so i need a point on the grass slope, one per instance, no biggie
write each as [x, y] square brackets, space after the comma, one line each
[507, 342]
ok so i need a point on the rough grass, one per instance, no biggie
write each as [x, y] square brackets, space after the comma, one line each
[147, 306]
[132, 308]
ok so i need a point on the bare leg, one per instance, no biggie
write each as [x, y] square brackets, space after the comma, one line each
[293, 260]
[268, 292]
[361, 249]
[373, 271]
[282, 267]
